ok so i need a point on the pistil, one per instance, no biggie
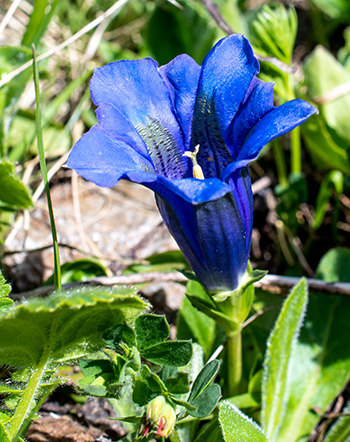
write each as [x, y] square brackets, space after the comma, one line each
[197, 170]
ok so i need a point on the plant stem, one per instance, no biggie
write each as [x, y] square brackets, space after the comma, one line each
[234, 362]
[57, 271]
[295, 151]
[24, 407]
[280, 163]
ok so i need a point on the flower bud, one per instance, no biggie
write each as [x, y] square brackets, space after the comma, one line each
[162, 415]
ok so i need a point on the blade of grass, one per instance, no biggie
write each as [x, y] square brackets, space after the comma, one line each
[57, 271]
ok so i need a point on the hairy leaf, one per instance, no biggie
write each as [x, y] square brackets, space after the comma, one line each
[321, 359]
[68, 324]
[237, 427]
[275, 387]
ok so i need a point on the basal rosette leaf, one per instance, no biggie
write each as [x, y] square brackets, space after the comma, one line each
[69, 324]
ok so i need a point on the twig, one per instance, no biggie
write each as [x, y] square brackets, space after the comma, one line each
[328, 418]
[7, 78]
[5, 21]
[258, 313]
[333, 94]
[214, 12]
[272, 283]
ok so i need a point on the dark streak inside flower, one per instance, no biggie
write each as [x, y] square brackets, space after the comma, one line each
[214, 155]
[162, 148]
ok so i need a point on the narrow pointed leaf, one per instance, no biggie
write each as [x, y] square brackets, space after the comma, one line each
[321, 359]
[275, 388]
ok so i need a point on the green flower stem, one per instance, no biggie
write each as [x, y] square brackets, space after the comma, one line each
[234, 362]
[295, 151]
[25, 404]
[280, 163]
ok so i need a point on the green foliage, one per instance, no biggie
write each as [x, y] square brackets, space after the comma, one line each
[326, 150]
[12, 190]
[320, 360]
[63, 326]
[321, 81]
[205, 395]
[82, 269]
[340, 430]
[290, 198]
[236, 427]
[274, 31]
[172, 31]
[338, 9]
[5, 290]
[275, 388]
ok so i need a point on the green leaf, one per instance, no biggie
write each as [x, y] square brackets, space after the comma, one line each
[333, 180]
[204, 394]
[178, 383]
[237, 427]
[162, 262]
[172, 31]
[5, 290]
[325, 151]
[210, 432]
[321, 359]
[80, 270]
[4, 436]
[39, 20]
[339, 9]
[274, 32]
[275, 388]
[121, 333]
[151, 330]
[171, 353]
[195, 325]
[320, 81]
[68, 324]
[205, 378]
[12, 190]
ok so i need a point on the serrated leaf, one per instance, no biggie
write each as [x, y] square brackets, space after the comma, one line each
[70, 324]
[237, 427]
[321, 359]
[151, 330]
[275, 387]
[12, 190]
[171, 353]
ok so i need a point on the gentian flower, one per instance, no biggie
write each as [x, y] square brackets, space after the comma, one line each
[188, 132]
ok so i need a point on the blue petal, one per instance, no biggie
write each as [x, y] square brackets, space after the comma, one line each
[258, 103]
[117, 127]
[181, 76]
[226, 76]
[104, 160]
[139, 93]
[214, 236]
[279, 121]
[193, 190]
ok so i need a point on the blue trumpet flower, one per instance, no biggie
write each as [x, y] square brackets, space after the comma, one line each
[188, 132]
